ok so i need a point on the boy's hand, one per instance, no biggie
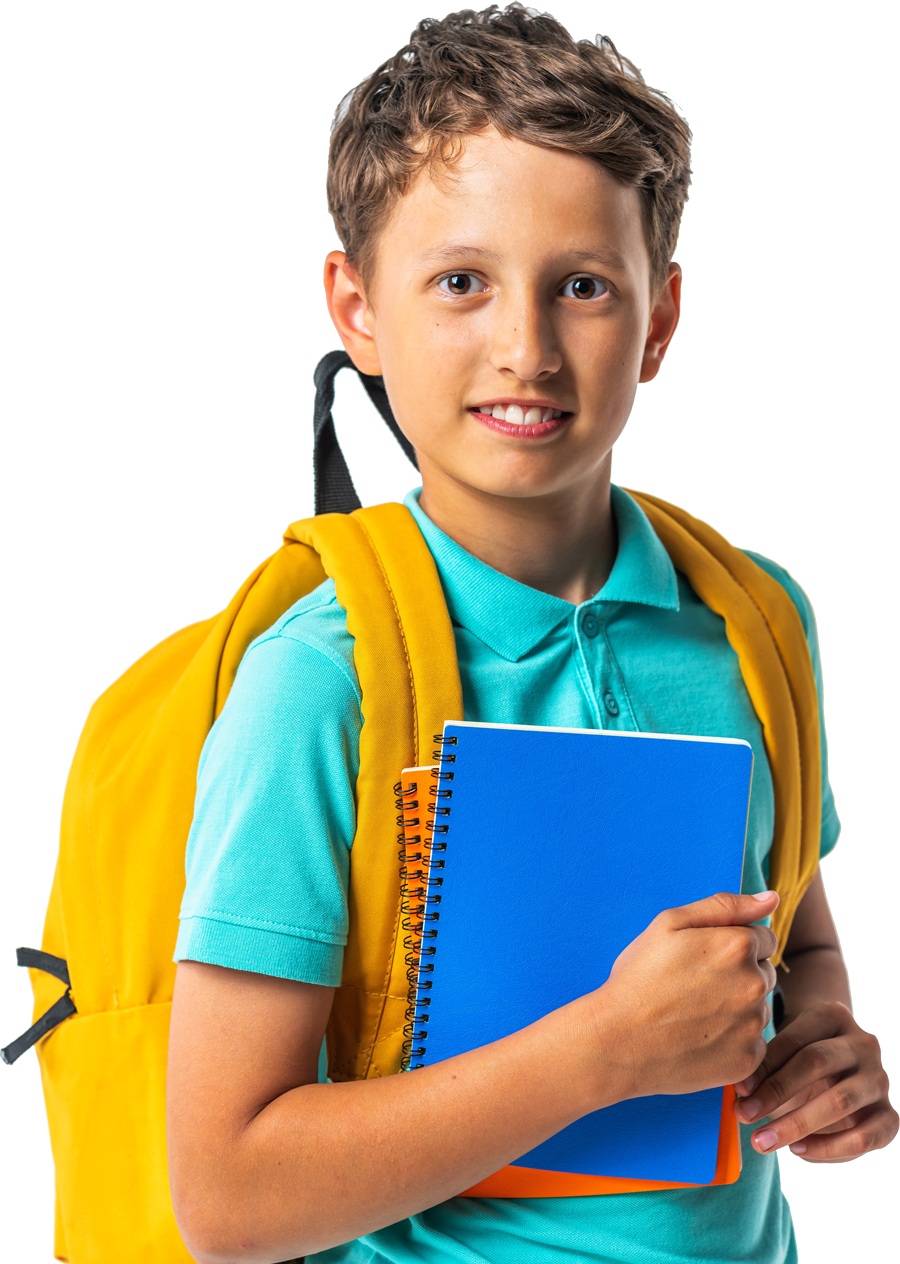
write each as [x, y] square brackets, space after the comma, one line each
[690, 995]
[822, 1085]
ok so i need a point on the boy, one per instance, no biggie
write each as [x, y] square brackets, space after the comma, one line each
[509, 204]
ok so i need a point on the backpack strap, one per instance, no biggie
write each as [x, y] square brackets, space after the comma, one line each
[334, 488]
[35, 959]
[764, 629]
[405, 657]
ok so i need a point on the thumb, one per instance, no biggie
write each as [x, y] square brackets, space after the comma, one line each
[724, 909]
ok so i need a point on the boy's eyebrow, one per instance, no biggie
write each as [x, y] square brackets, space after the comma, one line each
[446, 254]
[606, 258]
[450, 254]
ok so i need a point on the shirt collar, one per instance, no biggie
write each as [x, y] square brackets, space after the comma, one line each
[512, 618]
[643, 571]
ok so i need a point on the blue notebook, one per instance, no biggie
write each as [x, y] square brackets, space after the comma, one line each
[559, 847]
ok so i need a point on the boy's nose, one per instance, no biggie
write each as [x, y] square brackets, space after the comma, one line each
[523, 342]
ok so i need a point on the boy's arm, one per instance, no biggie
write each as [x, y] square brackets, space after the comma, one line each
[267, 1164]
[821, 1082]
[815, 972]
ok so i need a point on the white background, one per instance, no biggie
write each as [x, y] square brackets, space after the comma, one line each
[162, 229]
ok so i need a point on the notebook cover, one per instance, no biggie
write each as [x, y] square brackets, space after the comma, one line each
[515, 1181]
[552, 866]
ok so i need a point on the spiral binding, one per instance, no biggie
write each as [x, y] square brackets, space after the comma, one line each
[421, 863]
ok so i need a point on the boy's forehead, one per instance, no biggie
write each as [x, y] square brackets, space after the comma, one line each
[501, 196]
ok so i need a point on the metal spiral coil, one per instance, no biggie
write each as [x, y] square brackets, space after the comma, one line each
[417, 899]
[441, 741]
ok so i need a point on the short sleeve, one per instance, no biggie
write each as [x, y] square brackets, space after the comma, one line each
[831, 825]
[268, 854]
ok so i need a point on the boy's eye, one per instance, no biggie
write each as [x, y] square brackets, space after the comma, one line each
[584, 287]
[461, 283]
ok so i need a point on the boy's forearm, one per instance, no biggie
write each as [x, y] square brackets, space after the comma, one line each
[326, 1163]
[265, 1164]
[812, 976]
[815, 970]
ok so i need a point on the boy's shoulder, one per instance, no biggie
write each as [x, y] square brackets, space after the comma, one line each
[319, 609]
[318, 623]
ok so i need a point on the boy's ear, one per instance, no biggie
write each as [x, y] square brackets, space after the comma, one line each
[350, 312]
[663, 323]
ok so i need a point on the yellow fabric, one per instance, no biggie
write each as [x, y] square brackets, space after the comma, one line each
[113, 910]
[104, 1081]
[114, 914]
[405, 656]
[764, 629]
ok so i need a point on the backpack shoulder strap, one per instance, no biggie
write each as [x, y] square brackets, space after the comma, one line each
[405, 656]
[764, 629]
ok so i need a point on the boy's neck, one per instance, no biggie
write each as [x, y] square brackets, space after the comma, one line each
[563, 544]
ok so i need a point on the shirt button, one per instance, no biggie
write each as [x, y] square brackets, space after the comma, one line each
[589, 625]
[610, 703]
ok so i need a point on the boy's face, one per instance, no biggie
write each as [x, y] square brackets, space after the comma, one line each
[510, 312]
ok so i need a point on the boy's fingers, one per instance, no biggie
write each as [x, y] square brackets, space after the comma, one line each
[872, 1131]
[766, 966]
[821, 1022]
[842, 1102]
[800, 1099]
[813, 1130]
[723, 909]
[814, 1062]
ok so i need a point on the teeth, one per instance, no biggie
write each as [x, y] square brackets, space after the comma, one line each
[518, 416]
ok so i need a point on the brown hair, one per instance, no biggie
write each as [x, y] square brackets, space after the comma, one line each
[521, 72]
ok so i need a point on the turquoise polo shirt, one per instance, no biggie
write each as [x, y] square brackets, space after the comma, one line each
[269, 849]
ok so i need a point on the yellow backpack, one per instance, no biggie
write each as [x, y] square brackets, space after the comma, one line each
[113, 914]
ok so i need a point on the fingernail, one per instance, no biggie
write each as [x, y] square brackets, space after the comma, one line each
[799, 1147]
[749, 1107]
[763, 895]
[766, 1139]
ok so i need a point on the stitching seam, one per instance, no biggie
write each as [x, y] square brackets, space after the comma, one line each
[90, 834]
[614, 663]
[254, 923]
[311, 643]
[415, 720]
[391, 996]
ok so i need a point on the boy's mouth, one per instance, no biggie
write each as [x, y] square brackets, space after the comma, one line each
[521, 420]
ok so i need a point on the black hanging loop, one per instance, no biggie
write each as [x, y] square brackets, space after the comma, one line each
[335, 492]
[35, 959]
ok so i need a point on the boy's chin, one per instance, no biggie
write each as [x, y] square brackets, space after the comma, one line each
[529, 484]
[551, 471]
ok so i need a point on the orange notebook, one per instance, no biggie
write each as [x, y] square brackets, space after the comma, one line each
[420, 801]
